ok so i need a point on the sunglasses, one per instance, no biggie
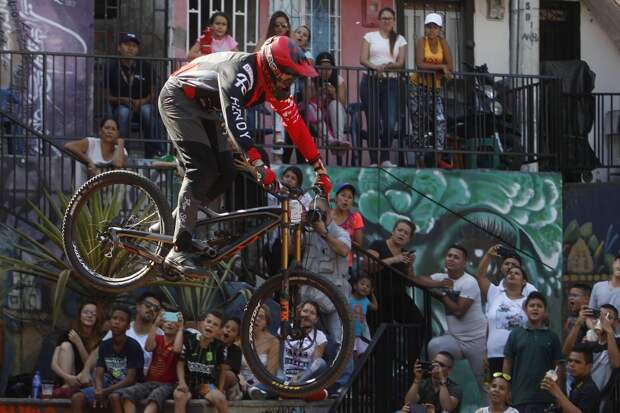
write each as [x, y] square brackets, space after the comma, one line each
[152, 306]
[502, 375]
[282, 25]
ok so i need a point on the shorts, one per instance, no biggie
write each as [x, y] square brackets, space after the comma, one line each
[360, 346]
[150, 391]
[89, 392]
[234, 393]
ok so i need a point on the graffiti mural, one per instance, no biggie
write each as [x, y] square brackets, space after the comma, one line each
[591, 232]
[474, 208]
[30, 82]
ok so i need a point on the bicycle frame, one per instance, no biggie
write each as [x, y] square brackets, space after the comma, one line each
[121, 237]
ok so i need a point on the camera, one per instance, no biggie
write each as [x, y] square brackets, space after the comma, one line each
[595, 313]
[314, 215]
[427, 368]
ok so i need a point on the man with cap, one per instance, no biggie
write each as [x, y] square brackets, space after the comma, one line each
[130, 92]
[204, 102]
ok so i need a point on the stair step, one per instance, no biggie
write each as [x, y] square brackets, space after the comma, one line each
[194, 406]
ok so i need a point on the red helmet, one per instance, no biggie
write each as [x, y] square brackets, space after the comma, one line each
[281, 54]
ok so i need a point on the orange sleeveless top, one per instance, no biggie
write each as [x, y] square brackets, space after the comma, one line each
[431, 57]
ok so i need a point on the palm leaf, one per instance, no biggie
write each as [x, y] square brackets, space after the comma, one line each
[59, 293]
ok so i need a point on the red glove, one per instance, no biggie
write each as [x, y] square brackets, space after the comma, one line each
[265, 175]
[205, 41]
[322, 179]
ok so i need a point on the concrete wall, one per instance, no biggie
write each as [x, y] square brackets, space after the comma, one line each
[600, 53]
[492, 39]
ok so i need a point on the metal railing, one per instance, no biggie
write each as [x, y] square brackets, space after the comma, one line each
[475, 120]
[383, 373]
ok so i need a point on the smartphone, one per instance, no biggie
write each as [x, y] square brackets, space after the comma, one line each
[503, 251]
[595, 313]
[170, 317]
[410, 252]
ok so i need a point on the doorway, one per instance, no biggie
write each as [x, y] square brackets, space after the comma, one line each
[559, 30]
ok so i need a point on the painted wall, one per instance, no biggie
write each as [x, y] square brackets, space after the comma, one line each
[598, 50]
[492, 38]
[591, 231]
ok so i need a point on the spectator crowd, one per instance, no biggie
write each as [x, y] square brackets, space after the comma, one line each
[498, 323]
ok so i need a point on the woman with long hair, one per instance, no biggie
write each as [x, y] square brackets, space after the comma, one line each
[279, 25]
[382, 51]
[75, 347]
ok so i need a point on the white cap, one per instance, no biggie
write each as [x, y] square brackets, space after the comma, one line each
[433, 18]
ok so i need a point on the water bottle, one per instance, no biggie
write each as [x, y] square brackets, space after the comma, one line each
[36, 385]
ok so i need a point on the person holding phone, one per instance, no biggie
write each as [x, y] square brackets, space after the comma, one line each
[161, 377]
[433, 385]
[508, 259]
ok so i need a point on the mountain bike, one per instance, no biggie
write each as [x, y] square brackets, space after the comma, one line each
[116, 233]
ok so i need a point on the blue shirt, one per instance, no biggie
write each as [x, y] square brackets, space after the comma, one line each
[359, 308]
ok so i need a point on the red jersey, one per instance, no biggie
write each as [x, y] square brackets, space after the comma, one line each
[163, 366]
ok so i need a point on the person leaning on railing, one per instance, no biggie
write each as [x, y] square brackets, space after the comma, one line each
[106, 150]
[379, 90]
[396, 304]
[432, 54]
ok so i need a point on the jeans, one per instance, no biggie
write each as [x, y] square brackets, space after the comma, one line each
[380, 102]
[148, 125]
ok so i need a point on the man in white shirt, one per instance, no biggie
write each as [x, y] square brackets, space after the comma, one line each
[148, 307]
[465, 337]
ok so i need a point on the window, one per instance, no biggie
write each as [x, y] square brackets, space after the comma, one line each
[243, 15]
[323, 18]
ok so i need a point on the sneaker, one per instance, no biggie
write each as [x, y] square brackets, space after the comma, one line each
[257, 394]
[373, 165]
[185, 262]
[317, 396]
[388, 164]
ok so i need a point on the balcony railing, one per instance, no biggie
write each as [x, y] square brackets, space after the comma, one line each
[488, 120]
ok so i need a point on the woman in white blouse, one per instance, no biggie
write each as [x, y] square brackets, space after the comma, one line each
[382, 51]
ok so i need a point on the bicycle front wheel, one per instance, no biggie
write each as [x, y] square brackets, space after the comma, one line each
[294, 349]
[114, 199]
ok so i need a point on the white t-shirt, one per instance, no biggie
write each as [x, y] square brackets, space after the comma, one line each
[298, 356]
[473, 324]
[503, 315]
[140, 338]
[94, 152]
[487, 410]
[529, 288]
[379, 48]
[603, 293]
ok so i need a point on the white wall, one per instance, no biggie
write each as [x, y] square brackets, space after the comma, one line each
[492, 38]
[600, 53]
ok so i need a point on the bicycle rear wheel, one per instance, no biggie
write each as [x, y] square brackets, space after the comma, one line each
[114, 199]
[340, 348]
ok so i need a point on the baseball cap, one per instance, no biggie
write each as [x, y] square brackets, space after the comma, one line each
[128, 37]
[344, 186]
[433, 18]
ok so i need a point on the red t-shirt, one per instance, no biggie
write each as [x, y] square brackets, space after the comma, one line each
[353, 223]
[163, 366]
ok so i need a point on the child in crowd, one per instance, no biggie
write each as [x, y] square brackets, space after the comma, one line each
[120, 364]
[197, 367]
[228, 382]
[359, 302]
[215, 38]
[530, 352]
[303, 359]
[302, 37]
[162, 376]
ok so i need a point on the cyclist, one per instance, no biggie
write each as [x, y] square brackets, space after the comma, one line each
[204, 102]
